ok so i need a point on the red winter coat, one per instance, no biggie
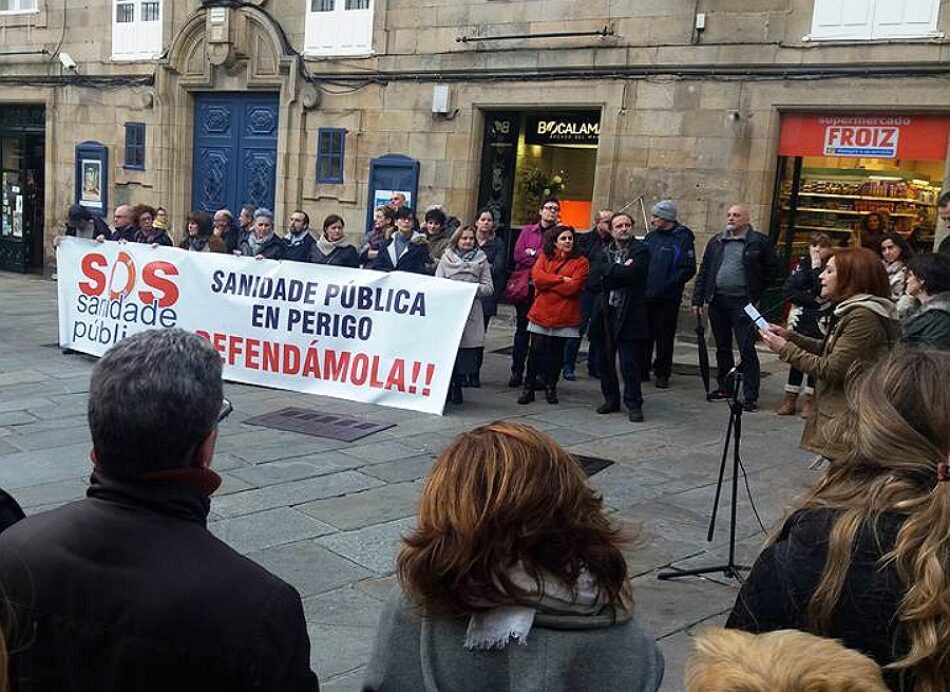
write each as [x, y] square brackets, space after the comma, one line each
[557, 302]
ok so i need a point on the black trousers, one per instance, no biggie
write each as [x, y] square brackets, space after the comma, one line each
[519, 350]
[728, 320]
[608, 351]
[574, 345]
[662, 316]
[480, 358]
[545, 359]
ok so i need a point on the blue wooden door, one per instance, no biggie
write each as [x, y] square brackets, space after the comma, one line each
[235, 151]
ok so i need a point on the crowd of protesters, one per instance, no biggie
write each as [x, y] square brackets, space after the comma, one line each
[620, 289]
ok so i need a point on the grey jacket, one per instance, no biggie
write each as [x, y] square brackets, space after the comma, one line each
[478, 271]
[414, 654]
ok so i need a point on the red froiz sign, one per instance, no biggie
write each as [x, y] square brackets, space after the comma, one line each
[863, 137]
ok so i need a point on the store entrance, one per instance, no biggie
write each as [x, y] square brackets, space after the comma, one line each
[844, 174]
[22, 156]
[530, 155]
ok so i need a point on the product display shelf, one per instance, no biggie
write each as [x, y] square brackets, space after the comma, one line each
[825, 229]
[866, 198]
[852, 212]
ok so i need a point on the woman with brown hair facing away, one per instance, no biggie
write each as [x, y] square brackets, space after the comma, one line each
[867, 557]
[512, 580]
[862, 328]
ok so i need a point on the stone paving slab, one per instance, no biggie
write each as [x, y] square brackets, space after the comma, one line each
[295, 493]
[374, 506]
[310, 568]
[373, 547]
[400, 470]
[267, 529]
[327, 516]
[296, 469]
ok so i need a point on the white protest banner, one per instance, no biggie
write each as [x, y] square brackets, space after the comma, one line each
[355, 334]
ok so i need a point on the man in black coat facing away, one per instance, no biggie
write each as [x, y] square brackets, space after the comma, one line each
[618, 325]
[737, 266]
[127, 589]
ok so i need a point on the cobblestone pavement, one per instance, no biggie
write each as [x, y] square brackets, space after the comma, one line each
[327, 516]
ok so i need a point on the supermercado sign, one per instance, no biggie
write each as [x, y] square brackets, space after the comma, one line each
[388, 339]
[873, 135]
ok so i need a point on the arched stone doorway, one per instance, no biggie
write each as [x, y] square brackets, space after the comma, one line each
[237, 57]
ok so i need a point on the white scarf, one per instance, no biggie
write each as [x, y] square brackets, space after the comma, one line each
[494, 628]
[327, 246]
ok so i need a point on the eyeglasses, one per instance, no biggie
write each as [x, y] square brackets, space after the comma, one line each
[551, 207]
[225, 411]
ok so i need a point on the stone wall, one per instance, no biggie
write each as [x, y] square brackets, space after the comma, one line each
[705, 142]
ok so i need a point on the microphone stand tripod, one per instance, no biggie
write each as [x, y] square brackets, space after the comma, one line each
[730, 569]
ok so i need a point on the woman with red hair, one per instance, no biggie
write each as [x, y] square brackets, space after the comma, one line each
[513, 579]
[862, 330]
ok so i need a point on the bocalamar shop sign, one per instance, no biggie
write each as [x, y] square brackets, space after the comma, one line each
[870, 135]
[570, 127]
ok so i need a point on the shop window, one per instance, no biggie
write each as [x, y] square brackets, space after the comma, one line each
[136, 29]
[330, 146]
[14, 6]
[874, 19]
[847, 175]
[339, 27]
[135, 146]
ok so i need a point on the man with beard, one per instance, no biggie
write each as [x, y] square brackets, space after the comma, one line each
[619, 277]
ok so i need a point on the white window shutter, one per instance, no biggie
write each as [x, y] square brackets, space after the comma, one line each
[340, 31]
[905, 18]
[842, 19]
[356, 30]
[138, 39]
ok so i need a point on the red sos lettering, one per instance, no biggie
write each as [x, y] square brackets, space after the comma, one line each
[156, 277]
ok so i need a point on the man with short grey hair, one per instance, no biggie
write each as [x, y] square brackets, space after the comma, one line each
[737, 266]
[127, 589]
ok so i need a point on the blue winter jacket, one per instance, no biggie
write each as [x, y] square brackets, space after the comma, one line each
[672, 262]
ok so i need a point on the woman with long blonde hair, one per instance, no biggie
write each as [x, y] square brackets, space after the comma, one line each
[513, 576]
[866, 559]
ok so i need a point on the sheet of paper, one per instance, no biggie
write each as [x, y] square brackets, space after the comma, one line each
[756, 316]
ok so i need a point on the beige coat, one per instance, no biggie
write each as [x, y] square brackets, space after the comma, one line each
[863, 329]
[451, 266]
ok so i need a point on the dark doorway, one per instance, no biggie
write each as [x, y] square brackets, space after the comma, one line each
[22, 160]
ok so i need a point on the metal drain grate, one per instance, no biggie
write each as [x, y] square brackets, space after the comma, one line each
[319, 424]
[592, 465]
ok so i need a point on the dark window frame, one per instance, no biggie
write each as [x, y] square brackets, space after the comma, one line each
[134, 146]
[334, 155]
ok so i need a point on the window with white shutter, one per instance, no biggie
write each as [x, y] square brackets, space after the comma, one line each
[847, 20]
[136, 29]
[16, 6]
[339, 27]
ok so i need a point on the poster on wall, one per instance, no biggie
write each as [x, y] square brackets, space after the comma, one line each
[383, 197]
[92, 177]
[18, 213]
[91, 193]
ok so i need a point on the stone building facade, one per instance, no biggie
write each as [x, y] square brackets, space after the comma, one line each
[688, 98]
